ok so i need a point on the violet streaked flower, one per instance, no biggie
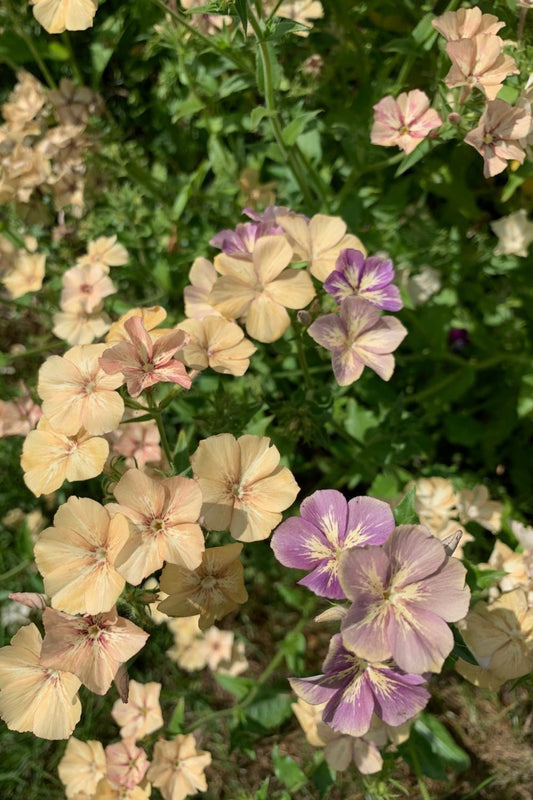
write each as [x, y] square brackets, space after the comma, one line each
[403, 595]
[370, 278]
[328, 526]
[353, 690]
[358, 337]
[240, 243]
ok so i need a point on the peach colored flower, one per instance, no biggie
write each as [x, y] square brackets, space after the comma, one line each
[202, 276]
[466, 23]
[126, 763]
[480, 63]
[19, 416]
[214, 588]
[108, 791]
[57, 16]
[33, 697]
[150, 316]
[475, 504]
[83, 765]
[49, 458]
[217, 343]
[77, 393]
[91, 647]
[404, 122]
[77, 326]
[318, 241]
[218, 647]
[243, 487]
[261, 289]
[76, 557]
[144, 362]
[178, 767]
[497, 136]
[141, 715]
[236, 663]
[105, 252]
[27, 274]
[85, 285]
[164, 514]
[517, 566]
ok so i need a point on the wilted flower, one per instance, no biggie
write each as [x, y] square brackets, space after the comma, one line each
[402, 595]
[256, 193]
[34, 697]
[73, 104]
[82, 767]
[358, 336]
[480, 63]
[243, 487]
[369, 278]
[496, 137]
[466, 23]
[141, 715]
[327, 527]
[178, 767]
[354, 689]
[514, 232]
[404, 122]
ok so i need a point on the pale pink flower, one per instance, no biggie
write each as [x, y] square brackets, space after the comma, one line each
[466, 23]
[202, 276]
[85, 285]
[77, 393]
[480, 63]
[34, 697]
[77, 557]
[358, 337]
[144, 362]
[105, 252]
[82, 767]
[164, 516]
[405, 121]
[91, 647]
[126, 763]
[137, 442]
[19, 416]
[141, 715]
[178, 767]
[496, 137]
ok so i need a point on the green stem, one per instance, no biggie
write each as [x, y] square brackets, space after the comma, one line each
[37, 56]
[418, 772]
[156, 413]
[34, 352]
[73, 61]
[302, 360]
[14, 571]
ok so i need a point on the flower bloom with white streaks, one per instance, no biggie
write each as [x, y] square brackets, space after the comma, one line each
[405, 121]
[369, 278]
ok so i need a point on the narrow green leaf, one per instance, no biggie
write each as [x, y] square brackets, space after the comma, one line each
[287, 771]
[239, 687]
[404, 513]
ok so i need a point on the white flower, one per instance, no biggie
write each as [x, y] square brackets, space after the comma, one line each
[514, 232]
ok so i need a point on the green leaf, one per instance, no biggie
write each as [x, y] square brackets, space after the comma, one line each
[287, 771]
[413, 158]
[296, 127]
[234, 84]
[241, 7]
[188, 107]
[404, 513]
[178, 716]
[445, 752]
[323, 778]
[461, 649]
[239, 687]
[262, 792]
[257, 115]
[271, 710]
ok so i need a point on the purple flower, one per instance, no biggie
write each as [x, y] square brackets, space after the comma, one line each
[354, 690]
[370, 278]
[328, 525]
[240, 243]
[403, 595]
[358, 337]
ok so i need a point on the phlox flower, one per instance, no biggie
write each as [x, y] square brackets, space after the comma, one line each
[213, 589]
[236, 662]
[57, 16]
[76, 557]
[82, 767]
[243, 487]
[178, 767]
[217, 343]
[78, 326]
[26, 275]
[202, 276]
[354, 689]
[126, 763]
[110, 791]
[77, 393]
[137, 442]
[403, 595]
[85, 285]
[500, 636]
[319, 241]
[466, 23]
[151, 317]
[32, 696]
[476, 505]
[92, 647]
[496, 137]
[144, 362]
[261, 289]
[49, 458]
[141, 715]
[164, 516]
[405, 121]
[19, 416]
[518, 567]
[240, 243]
[328, 526]
[358, 337]
[515, 234]
[105, 252]
[369, 278]
[480, 63]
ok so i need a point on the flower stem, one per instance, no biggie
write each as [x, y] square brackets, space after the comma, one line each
[156, 413]
[14, 571]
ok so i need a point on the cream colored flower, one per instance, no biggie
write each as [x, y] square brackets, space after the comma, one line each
[27, 274]
[435, 502]
[83, 765]
[77, 393]
[32, 697]
[49, 458]
[85, 285]
[515, 234]
[77, 326]
[475, 504]
[109, 791]
[217, 343]
[178, 767]
[303, 11]
[141, 715]
[106, 252]
[243, 487]
[151, 317]
[76, 557]
[318, 241]
[202, 276]
[236, 664]
[57, 16]
[517, 566]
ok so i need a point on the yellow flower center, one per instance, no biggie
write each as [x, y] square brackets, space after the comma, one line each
[157, 526]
